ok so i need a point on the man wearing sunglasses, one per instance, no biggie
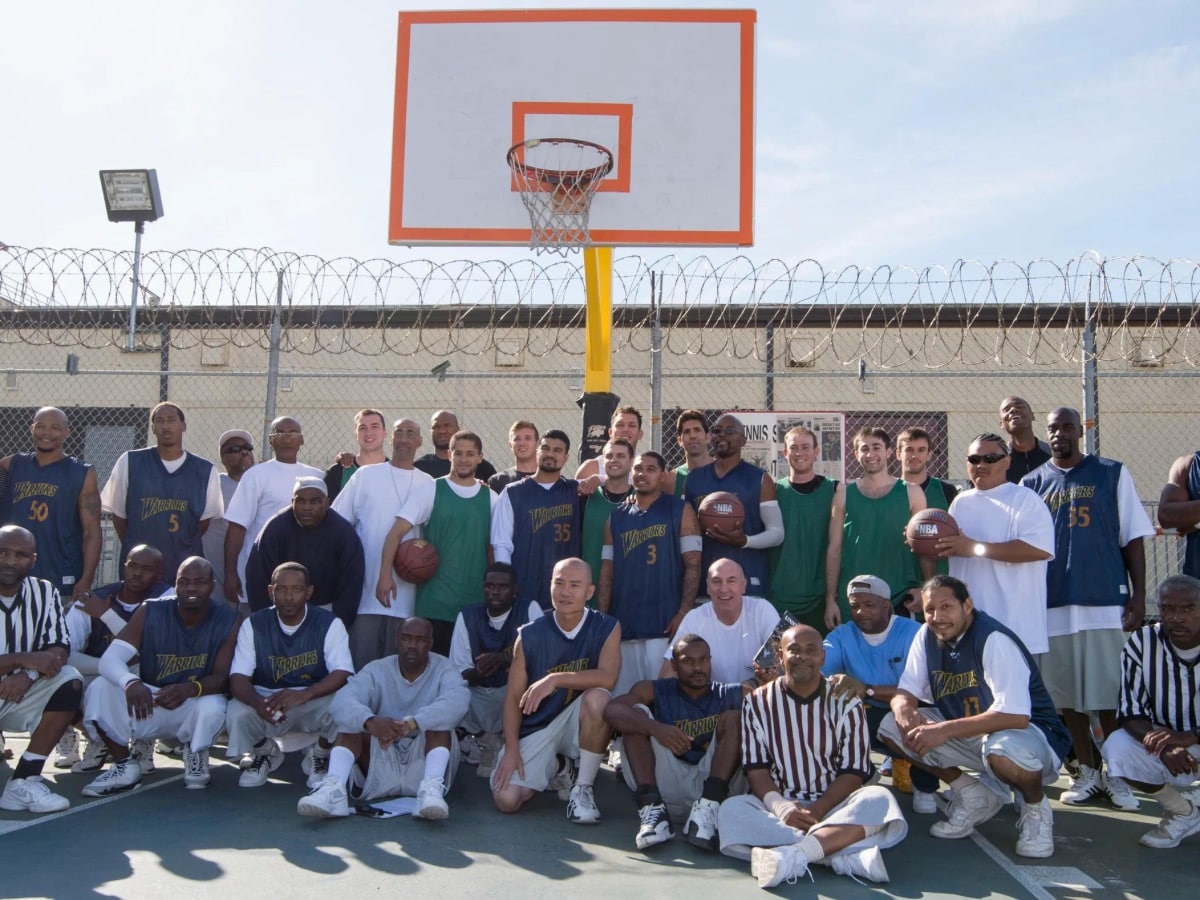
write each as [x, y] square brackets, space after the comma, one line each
[237, 456]
[1005, 538]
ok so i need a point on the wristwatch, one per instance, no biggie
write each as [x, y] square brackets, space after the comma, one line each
[870, 691]
[980, 549]
[32, 674]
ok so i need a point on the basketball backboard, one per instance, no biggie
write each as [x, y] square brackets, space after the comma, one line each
[669, 92]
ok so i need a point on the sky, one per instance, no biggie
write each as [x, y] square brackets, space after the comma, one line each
[887, 132]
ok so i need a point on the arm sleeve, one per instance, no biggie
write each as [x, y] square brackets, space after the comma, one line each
[1007, 674]
[352, 567]
[243, 651]
[834, 661]
[1133, 702]
[1134, 521]
[337, 648]
[114, 664]
[450, 705]
[343, 503]
[112, 498]
[1035, 525]
[915, 679]
[79, 627]
[355, 702]
[214, 500]
[854, 742]
[241, 506]
[772, 533]
[502, 527]
[460, 646]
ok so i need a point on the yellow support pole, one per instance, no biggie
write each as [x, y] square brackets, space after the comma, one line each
[597, 359]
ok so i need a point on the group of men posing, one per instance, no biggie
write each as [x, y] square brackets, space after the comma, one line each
[1001, 680]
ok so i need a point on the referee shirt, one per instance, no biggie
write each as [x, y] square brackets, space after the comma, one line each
[32, 620]
[1158, 682]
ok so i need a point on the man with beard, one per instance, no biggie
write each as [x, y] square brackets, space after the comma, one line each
[806, 754]
[237, 457]
[1026, 450]
[523, 442]
[372, 501]
[617, 460]
[442, 427]
[55, 497]
[971, 699]
[866, 530]
[310, 533]
[370, 433]
[395, 722]
[1157, 747]
[691, 434]
[1096, 592]
[650, 570]
[1005, 538]
[185, 646]
[762, 527]
[536, 522]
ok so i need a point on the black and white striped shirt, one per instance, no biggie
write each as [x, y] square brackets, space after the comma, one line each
[805, 742]
[33, 620]
[1156, 683]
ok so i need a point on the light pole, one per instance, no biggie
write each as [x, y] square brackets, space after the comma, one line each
[131, 195]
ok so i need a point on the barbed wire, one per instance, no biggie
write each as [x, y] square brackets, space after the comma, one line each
[1016, 314]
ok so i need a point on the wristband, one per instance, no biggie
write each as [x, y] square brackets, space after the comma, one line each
[199, 688]
[779, 807]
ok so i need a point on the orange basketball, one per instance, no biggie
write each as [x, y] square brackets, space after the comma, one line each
[416, 561]
[722, 509]
[926, 528]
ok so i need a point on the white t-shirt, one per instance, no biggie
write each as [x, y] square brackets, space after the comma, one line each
[372, 500]
[1013, 593]
[1004, 670]
[264, 490]
[733, 647]
[337, 650]
[112, 498]
[1134, 524]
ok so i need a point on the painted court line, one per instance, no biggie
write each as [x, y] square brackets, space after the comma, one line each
[17, 825]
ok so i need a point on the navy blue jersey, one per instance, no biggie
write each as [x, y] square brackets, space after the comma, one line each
[1088, 568]
[744, 480]
[956, 679]
[486, 639]
[694, 716]
[546, 530]
[647, 566]
[1191, 559]
[547, 650]
[101, 636]
[45, 500]
[290, 660]
[163, 508]
[171, 653]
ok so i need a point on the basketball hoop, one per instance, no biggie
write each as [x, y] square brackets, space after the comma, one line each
[557, 178]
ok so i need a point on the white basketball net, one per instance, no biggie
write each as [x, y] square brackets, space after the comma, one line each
[557, 178]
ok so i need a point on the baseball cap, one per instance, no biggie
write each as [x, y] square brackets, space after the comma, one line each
[310, 481]
[868, 584]
[235, 433]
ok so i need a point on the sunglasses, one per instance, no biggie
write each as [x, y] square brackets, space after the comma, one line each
[989, 458]
[238, 448]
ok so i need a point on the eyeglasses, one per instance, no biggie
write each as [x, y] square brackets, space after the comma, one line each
[238, 448]
[989, 458]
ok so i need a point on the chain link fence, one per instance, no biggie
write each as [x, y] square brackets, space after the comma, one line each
[238, 337]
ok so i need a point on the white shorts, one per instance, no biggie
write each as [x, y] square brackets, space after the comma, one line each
[743, 822]
[1127, 758]
[641, 660]
[540, 750]
[399, 769]
[246, 727]
[195, 722]
[26, 713]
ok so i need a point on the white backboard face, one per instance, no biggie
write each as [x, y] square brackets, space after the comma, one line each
[669, 92]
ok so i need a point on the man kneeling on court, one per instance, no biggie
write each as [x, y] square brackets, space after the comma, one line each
[990, 713]
[184, 646]
[807, 754]
[289, 661]
[564, 665]
[681, 739]
[396, 721]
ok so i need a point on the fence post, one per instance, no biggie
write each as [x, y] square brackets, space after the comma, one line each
[656, 362]
[1091, 396]
[273, 361]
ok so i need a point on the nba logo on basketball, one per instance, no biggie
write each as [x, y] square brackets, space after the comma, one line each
[723, 508]
[927, 529]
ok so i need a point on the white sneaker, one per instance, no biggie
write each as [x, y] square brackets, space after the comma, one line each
[195, 769]
[121, 776]
[431, 800]
[267, 758]
[469, 748]
[143, 752]
[866, 864]
[701, 826]
[66, 752]
[564, 779]
[581, 806]
[31, 795]
[93, 757]
[924, 802]
[327, 800]
[1085, 786]
[317, 766]
[1120, 794]
[655, 827]
[1036, 827]
[973, 805]
[1170, 831]
[774, 865]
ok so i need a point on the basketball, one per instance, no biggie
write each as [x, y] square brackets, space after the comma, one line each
[416, 561]
[926, 528]
[722, 509]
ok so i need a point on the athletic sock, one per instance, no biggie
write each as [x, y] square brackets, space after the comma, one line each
[589, 767]
[811, 848]
[1172, 802]
[341, 762]
[715, 789]
[436, 761]
[29, 765]
[646, 795]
